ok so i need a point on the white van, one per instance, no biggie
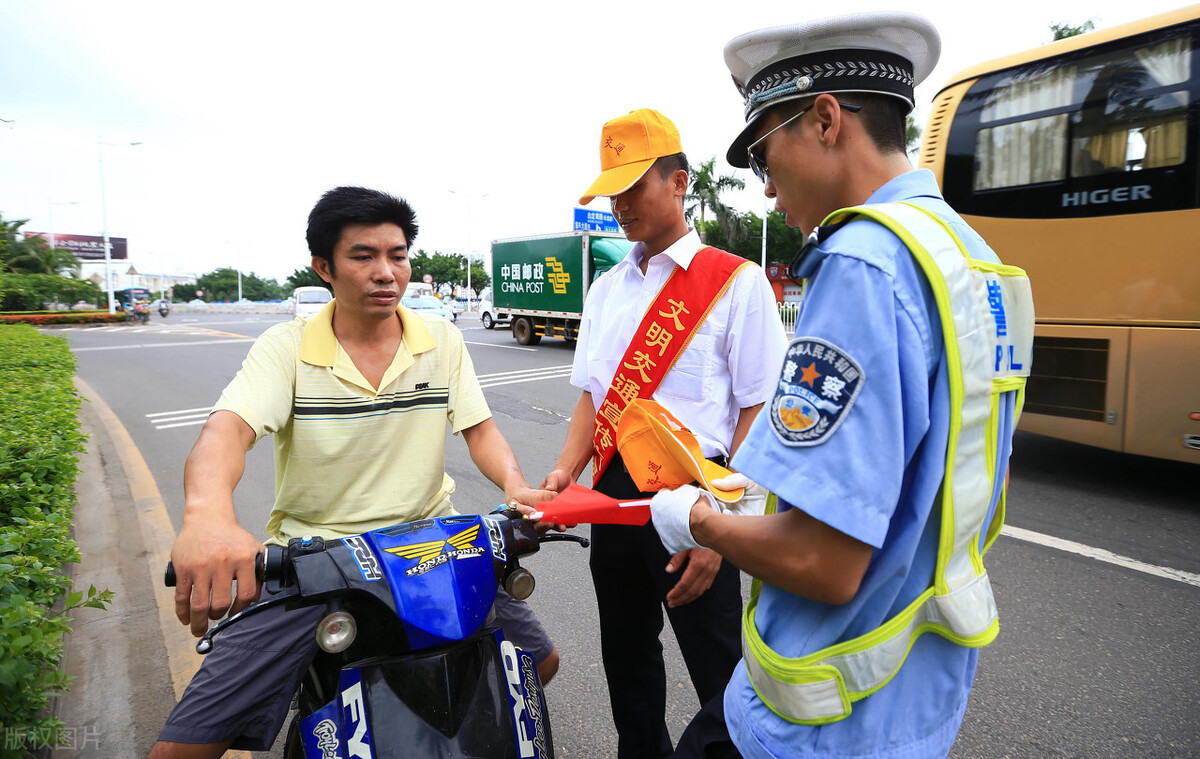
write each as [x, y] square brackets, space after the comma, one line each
[307, 301]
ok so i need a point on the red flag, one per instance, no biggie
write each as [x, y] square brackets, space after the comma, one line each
[578, 504]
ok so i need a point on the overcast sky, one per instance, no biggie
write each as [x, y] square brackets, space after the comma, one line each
[248, 111]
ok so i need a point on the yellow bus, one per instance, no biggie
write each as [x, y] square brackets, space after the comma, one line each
[1079, 161]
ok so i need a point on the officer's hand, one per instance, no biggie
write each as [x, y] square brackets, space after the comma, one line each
[208, 558]
[697, 577]
[753, 501]
[671, 514]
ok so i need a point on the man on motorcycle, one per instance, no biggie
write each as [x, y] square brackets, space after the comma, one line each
[358, 398]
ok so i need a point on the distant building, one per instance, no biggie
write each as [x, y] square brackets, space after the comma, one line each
[125, 274]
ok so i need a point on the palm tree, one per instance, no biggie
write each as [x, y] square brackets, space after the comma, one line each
[706, 189]
[38, 258]
[31, 255]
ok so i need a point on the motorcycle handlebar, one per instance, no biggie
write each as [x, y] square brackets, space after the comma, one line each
[271, 564]
[260, 569]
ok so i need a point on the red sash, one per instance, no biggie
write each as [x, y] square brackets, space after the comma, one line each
[664, 333]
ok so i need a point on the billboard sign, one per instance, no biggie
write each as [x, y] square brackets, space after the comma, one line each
[86, 247]
[596, 221]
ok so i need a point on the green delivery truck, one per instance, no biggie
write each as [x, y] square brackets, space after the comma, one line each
[540, 282]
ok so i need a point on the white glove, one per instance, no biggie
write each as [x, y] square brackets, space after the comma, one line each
[754, 500]
[671, 512]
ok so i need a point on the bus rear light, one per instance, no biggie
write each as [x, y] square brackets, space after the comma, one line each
[1194, 416]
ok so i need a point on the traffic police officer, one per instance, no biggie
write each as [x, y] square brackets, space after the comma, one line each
[886, 445]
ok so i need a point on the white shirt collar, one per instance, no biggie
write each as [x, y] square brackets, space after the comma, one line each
[681, 252]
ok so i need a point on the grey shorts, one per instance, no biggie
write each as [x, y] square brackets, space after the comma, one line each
[244, 688]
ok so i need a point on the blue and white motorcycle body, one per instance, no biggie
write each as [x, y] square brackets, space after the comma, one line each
[412, 667]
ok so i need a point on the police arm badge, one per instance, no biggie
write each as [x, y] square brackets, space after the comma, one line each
[817, 386]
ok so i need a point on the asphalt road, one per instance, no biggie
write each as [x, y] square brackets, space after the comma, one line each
[1094, 659]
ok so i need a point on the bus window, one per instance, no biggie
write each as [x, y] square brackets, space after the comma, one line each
[1061, 136]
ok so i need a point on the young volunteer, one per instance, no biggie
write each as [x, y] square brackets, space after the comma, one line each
[697, 330]
[886, 445]
[358, 398]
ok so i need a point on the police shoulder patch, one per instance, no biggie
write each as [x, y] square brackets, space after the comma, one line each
[817, 387]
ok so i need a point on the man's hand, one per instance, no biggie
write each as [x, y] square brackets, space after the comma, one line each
[528, 497]
[207, 560]
[558, 480]
[697, 577]
[753, 501]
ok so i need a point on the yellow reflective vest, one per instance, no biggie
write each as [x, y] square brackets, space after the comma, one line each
[986, 314]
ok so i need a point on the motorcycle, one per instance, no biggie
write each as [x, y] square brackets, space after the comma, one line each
[141, 312]
[163, 310]
[409, 665]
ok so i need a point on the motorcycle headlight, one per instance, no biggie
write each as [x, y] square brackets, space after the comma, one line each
[336, 632]
[519, 584]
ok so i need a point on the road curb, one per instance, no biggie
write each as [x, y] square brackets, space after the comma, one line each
[111, 653]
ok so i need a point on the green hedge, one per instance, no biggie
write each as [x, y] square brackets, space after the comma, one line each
[40, 441]
[38, 318]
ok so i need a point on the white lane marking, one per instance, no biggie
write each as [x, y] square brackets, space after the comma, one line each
[506, 347]
[162, 420]
[529, 378]
[181, 424]
[180, 411]
[163, 345]
[1099, 554]
[496, 375]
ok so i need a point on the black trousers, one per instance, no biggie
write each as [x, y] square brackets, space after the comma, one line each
[707, 737]
[629, 573]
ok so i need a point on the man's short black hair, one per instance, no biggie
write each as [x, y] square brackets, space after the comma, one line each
[668, 165]
[882, 117]
[355, 205]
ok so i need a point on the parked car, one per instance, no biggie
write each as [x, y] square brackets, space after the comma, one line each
[490, 317]
[307, 301]
[429, 304]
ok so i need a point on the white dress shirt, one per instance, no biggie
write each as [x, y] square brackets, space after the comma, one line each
[733, 361]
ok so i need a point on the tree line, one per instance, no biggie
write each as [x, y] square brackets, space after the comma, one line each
[222, 284]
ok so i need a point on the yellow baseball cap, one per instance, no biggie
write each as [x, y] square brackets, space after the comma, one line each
[660, 452]
[630, 145]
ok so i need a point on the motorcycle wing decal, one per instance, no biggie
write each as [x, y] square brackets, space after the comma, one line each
[419, 551]
[428, 555]
[464, 538]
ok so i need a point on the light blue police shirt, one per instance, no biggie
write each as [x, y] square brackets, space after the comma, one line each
[874, 475]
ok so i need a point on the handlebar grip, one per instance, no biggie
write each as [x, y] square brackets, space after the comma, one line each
[169, 578]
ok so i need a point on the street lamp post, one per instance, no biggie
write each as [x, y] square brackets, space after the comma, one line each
[469, 198]
[101, 144]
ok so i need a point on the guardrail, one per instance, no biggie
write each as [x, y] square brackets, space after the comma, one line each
[787, 315]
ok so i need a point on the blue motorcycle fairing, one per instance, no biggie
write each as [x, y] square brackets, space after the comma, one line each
[340, 729]
[441, 572]
[531, 726]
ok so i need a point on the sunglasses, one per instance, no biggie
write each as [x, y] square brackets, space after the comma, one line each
[759, 165]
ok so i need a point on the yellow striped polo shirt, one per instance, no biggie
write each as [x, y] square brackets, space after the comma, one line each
[349, 458]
